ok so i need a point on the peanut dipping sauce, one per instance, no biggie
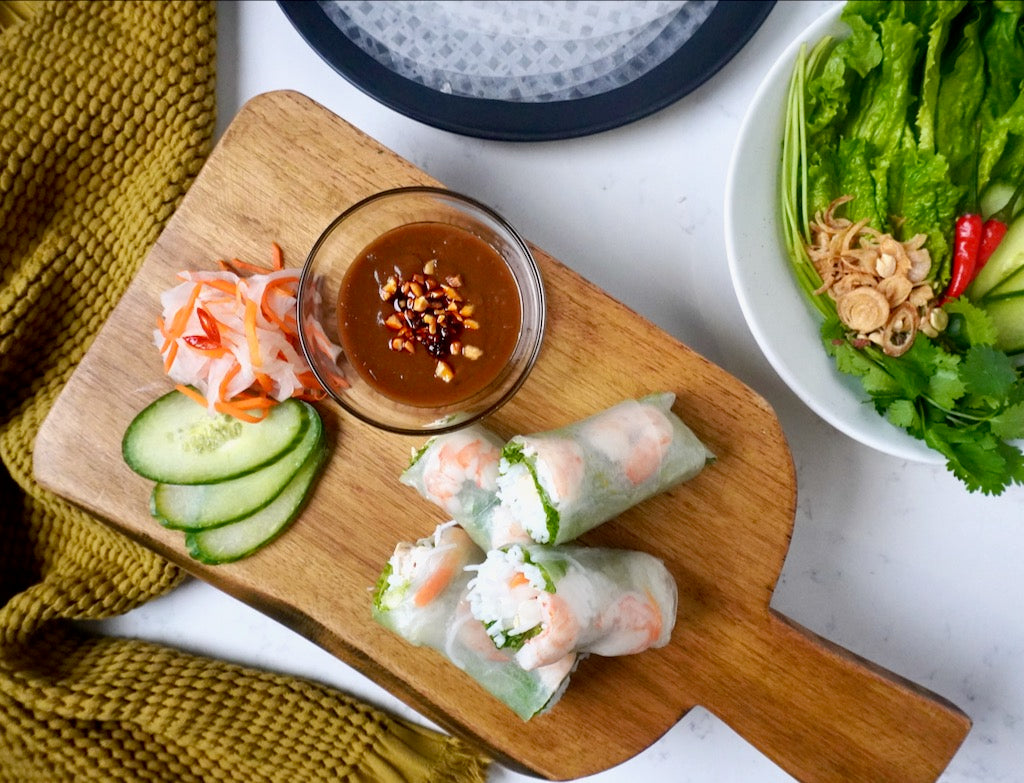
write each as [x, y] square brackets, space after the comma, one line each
[429, 314]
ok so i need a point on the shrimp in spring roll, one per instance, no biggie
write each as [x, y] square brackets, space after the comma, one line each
[458, 471]
[545, 602]
[421, 596]
[561, 483]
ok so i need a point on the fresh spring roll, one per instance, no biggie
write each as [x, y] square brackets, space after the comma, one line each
[458, 471]
[545, 602]
[421, 596]
[561, 483]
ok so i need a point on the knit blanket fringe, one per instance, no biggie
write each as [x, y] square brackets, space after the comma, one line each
[107, 112]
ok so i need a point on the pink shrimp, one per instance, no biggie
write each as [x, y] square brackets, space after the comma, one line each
[560, 630]
[650, 447]
[471, 634]
[563, 464]
[636, 437]
[457, 461]
[631, 625]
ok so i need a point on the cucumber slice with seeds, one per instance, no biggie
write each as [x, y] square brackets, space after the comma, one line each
[242, 537]
[200, 506]
[176, 441]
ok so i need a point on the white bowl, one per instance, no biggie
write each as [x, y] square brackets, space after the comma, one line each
[784, 324]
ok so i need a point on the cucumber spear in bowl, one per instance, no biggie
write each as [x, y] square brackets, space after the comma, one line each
[999, 289]
[232, 486]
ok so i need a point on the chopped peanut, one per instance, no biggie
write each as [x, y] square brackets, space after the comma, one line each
[431, 313]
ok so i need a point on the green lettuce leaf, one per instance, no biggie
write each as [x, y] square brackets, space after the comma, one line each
[938, 34]
[1000, 138]
[920, 190]
[855, 163]
[1004, 56]
[959, 100]
[880, 114]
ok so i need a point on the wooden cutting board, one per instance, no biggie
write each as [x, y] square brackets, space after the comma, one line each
[284, 168]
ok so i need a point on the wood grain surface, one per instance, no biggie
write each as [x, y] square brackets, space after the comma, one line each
[284, 168]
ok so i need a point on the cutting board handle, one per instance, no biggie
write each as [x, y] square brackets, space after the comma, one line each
[823, 714]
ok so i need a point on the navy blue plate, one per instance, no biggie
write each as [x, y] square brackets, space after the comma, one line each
[727, 29]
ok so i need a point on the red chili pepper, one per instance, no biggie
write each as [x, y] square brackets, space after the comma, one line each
[967, 237]
[992, 234]
[211, 340]
[201, 342]
[966, 245]
[209, 324]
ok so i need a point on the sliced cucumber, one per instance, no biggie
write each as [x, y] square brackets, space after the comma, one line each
[199, 506]
[1002, 265]
[1007, 313]
[238, 539]
[1012, 283]
[995, 196]
[176, 441]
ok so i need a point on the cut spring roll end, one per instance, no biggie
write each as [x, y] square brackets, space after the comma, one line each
[421, 596]
[527, 693]
[418, 574]
[530, 499]
[544, 603]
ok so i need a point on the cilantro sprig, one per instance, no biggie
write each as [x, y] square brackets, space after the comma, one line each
[964, 398]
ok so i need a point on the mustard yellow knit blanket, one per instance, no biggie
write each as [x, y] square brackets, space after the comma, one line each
[106, 115]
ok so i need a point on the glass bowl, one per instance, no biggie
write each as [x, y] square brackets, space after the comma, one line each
[361, 326]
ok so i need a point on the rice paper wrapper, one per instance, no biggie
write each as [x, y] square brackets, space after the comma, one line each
[561, 483]
[544, 602]
[458, 471]
[422, 596]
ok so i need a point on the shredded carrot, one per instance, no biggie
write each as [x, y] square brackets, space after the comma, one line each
[238, 263]
[232, 409]
[177, 327]
[434, 585]
[178, 323]
[276, 256]
[250, 333]
[213, 353]
[222, 392]
[309, 380]
[255, 401]
[238, 409]
[188, 391]
[222, 285]
[287, 325]
[266, 383]
[172, 354]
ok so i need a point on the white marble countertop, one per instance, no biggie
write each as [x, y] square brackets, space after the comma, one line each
[892, 560]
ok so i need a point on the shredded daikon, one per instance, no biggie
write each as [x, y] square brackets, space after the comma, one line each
[234, 339]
